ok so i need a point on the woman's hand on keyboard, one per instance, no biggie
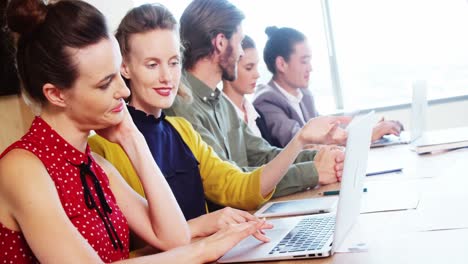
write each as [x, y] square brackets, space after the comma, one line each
[208, 224]
[216, 245]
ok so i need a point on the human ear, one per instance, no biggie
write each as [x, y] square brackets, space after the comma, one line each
[281, 64]
[54, 94]
[220, 42]
[124, 70]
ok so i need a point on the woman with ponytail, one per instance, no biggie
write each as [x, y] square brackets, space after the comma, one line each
[59, 202]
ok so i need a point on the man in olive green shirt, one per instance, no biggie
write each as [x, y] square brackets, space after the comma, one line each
[213, 116]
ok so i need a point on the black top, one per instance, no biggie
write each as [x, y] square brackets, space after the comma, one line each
[175, 159]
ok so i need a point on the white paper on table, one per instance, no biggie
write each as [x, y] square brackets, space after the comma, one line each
[369, 229]
[442, 212]
[385, 196]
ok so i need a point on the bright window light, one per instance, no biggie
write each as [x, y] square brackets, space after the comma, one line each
[381, 46]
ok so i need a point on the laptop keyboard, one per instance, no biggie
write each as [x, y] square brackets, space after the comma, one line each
[309, 234]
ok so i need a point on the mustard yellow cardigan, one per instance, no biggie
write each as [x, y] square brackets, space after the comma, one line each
[223, 182]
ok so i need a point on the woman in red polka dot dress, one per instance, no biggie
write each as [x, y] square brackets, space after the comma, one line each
[60, 203]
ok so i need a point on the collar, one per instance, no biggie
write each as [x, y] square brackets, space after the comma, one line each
[252, 114]
[45, 135]
[291, 98]
[139, 116]
[200, 89]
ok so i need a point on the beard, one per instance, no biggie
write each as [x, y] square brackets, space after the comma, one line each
[228, 64]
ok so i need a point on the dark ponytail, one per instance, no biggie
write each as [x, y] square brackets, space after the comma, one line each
[24, 16]
[270, 31]
[47, 35]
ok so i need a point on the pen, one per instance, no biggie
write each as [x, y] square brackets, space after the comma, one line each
[336, 192]
[384, 172]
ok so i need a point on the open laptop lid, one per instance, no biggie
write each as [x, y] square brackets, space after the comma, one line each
[418, 110]
[354, 172]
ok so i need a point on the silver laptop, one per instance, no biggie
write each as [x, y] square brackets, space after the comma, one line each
[418, 119]
[316, 236]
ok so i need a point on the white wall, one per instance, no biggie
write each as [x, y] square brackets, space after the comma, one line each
[113, 10]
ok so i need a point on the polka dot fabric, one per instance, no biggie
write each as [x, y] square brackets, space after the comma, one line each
[58, 157]
[14, 248]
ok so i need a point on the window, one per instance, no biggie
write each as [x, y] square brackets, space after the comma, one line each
[381, 46]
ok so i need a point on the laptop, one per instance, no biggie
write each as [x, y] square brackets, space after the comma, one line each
[319, 235]
[418, 119]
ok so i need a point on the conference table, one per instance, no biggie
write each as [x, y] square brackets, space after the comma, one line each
[434, 230]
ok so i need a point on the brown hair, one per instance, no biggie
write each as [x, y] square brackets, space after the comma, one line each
[146, 18]
[248, 43]
[47, 32]
[201, 21]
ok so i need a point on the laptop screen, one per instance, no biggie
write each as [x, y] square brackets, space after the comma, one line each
[355, 166]
[418, 110]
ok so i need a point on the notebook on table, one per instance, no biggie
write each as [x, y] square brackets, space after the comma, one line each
[418, 119]
[319, 235]
[445, 139]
